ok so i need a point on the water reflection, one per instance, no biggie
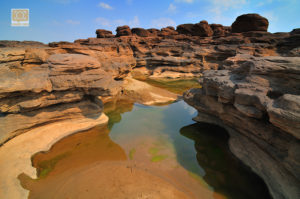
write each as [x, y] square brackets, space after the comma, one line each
[226, 174]
[153, 138]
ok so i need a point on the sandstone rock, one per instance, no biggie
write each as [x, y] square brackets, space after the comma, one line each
[123, 31]
[186, 29]
[295, 31]
[203, 29]
[140, 32]
[66, 86]
[200, 29]
[218, 29]
[257, 99]
[168, 31]
[101, 33]
[153, 31]
[250, 22]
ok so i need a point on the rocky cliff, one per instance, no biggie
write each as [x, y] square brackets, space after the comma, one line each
[257, 99]
[251, 84]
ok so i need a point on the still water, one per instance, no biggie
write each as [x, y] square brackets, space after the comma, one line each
[166, 154]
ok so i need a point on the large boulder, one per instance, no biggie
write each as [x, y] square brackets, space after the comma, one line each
[203, 29]
[200, 29]
[140, 32]
[123, 31]
[153, 31]
[250, 22]
[101, 33]
[186, 29]
[167, 31]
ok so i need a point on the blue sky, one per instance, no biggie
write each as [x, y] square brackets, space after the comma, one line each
[68, 20]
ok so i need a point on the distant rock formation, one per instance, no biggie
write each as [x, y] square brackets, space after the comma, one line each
[101, 33]
[123, 31]
[140, 32]
[250, 22]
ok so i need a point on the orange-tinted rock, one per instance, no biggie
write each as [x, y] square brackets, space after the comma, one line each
[123, 31]
[218, 29]
[186, 29]
[168, 31]
[250, 22]
[200, 29]
[101, 33]
[140, 32]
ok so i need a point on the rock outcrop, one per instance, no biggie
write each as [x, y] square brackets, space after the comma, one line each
[250, 22]
[257, 100]
[101, 33]
[250, 84]
[65, 87]
[199, 29]
[140, 32]
[123, 31]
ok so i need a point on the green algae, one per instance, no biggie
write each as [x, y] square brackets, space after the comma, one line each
[153, 151]
[131, 153]
[158, 158]
[46, 166]
[155, 156]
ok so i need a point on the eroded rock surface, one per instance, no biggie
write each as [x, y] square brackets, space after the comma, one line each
[250, 84]
[66, 86]
[257, 100]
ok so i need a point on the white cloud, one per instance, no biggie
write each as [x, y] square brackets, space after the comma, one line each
[72, 22]
[162, 22]
[135, 22]
[185, 1]
[105, 6]
[172, 8]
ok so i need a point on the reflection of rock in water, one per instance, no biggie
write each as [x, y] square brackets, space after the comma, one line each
[225, 173]
[91, 165]
[115, 108]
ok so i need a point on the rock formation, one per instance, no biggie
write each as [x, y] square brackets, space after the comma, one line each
[250, 84]
[140, 32]
[65, 86]
[257, 99]
[250, 22]
[101, 33]
[123, 31]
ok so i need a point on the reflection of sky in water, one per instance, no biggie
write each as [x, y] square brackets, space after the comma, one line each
[162, 122]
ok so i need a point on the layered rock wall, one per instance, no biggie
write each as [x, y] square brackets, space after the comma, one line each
[257, 99]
